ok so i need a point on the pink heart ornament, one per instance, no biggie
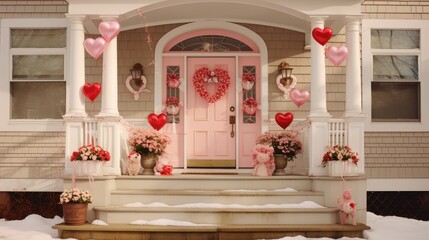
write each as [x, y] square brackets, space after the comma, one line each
[95, 47]
[299, 97]
[109, 30]
[336, 55]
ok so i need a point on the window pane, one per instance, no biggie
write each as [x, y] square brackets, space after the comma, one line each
[395, 101]
[38, 38]
[211, 43]
[395, 67]
[34, 67]
[40, 100]
[395, 39]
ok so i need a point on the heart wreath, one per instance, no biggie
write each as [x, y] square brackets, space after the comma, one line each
[203, 75]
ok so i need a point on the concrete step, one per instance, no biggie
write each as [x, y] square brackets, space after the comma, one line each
[222, 232]
[213, 182]
[219, 216]
[243, 197]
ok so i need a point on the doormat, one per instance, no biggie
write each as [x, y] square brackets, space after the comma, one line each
[212, 173]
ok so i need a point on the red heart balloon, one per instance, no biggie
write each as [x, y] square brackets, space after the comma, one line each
[322, 36]
[91, 91]
[157, 121]
[284, 120]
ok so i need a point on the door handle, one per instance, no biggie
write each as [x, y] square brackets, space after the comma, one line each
[232, 122]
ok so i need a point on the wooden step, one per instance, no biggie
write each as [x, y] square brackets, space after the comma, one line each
[246, 197]
[213, 182]
[221, 232]
[230, 215]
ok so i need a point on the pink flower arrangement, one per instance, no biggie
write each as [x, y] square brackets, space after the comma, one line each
[90, 153]
[75, 195]
[284, 142]
[340, 153]
[249, 77]
[148, 142]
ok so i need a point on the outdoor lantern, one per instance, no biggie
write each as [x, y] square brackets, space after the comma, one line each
[137, 72]
[285, 71]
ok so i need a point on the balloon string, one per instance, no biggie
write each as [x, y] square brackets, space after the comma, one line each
[148, 36]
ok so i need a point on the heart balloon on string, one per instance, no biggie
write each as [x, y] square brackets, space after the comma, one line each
[95, 47]
[299, 97]
[322, 36]
[284, 120]
[91, 91]
[336, 55]
[157, 121]
[109, 29]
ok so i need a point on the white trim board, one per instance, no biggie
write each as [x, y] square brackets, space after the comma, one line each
[388, 185]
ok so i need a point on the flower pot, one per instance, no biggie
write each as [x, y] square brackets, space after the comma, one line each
[247, 85]
[75, 213]
[280, 162]
[172, 110]
[148, 163]
[90, 168]
[342, 168]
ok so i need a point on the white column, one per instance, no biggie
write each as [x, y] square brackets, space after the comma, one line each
[76, 70]
[353, 72]
[109, 86]
[318, 76]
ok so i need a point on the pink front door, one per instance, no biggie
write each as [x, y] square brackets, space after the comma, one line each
[209, 128]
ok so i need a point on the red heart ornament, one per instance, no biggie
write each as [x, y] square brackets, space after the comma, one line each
[157, 121]
[322, 36]
[284, 120]
[91, 91]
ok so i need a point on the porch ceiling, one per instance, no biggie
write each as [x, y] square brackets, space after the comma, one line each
[279, 13]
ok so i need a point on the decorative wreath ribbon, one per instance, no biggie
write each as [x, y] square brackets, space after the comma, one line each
[141, 89]
[286, 89]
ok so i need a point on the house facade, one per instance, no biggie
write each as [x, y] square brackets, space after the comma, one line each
[378, 91]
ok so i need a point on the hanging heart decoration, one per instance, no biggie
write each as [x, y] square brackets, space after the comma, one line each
[157, 121]
[91, 91]
[284, 120]
[95, 47]
[109, 29]
[322, 36]
[218, 76]
[141, 89]
[336, 55]
[299, 97]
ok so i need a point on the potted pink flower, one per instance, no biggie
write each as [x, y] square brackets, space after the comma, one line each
[341, 160]
[89, 159]
[75, 204]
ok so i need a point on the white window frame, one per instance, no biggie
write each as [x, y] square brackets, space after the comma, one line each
[367, 72]
[6, 123]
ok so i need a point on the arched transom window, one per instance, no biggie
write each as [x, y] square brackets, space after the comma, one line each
[211, 43]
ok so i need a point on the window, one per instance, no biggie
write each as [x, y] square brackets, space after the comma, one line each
[211, 43]
[393, 75]
[35, 55]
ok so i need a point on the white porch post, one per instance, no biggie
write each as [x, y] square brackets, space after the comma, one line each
[109, 128]
[353, 113]
[75, 80]
[318, 133]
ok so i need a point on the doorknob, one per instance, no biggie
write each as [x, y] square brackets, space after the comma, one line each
[232, 122]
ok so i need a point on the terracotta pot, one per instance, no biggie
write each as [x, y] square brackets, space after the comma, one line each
[148, 163]
[280, 162]
[75, 213]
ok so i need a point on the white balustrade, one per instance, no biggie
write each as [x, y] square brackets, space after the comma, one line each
[338, 132]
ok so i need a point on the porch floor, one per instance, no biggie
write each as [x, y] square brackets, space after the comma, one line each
[225, 232]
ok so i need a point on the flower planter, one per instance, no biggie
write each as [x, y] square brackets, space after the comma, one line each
[75, 213]
[247, 85]
[148, 163]
[342, 168]
[280, 162]
[250, 110]
[90, 168]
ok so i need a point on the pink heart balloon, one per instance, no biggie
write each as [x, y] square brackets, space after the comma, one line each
[109, 30]
[299, 97]
[336, 55]
[95, 47]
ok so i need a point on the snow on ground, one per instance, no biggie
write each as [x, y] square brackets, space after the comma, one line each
[35, 227]
[168, 222]
[305, 204]
[263, 190]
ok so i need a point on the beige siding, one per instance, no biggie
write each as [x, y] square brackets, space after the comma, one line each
[32, 154]
[33, 9]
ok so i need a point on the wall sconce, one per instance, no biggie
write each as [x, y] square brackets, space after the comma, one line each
[285, 80]
[139, 80]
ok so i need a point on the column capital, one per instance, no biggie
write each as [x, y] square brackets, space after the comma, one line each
[76, 17]
[109, 17]
[318, 17]
[354, 18]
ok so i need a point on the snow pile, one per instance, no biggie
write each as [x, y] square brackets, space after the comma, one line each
[99, 222]
[263, 190]
[168, 222]
[305, 204]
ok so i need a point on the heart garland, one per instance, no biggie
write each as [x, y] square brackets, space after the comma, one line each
[284, 120]
[157, 121]
[322, 36]
[219, 75]
[91, 91]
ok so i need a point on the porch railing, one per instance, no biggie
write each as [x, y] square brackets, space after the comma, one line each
[338, 132]
[90, 131]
